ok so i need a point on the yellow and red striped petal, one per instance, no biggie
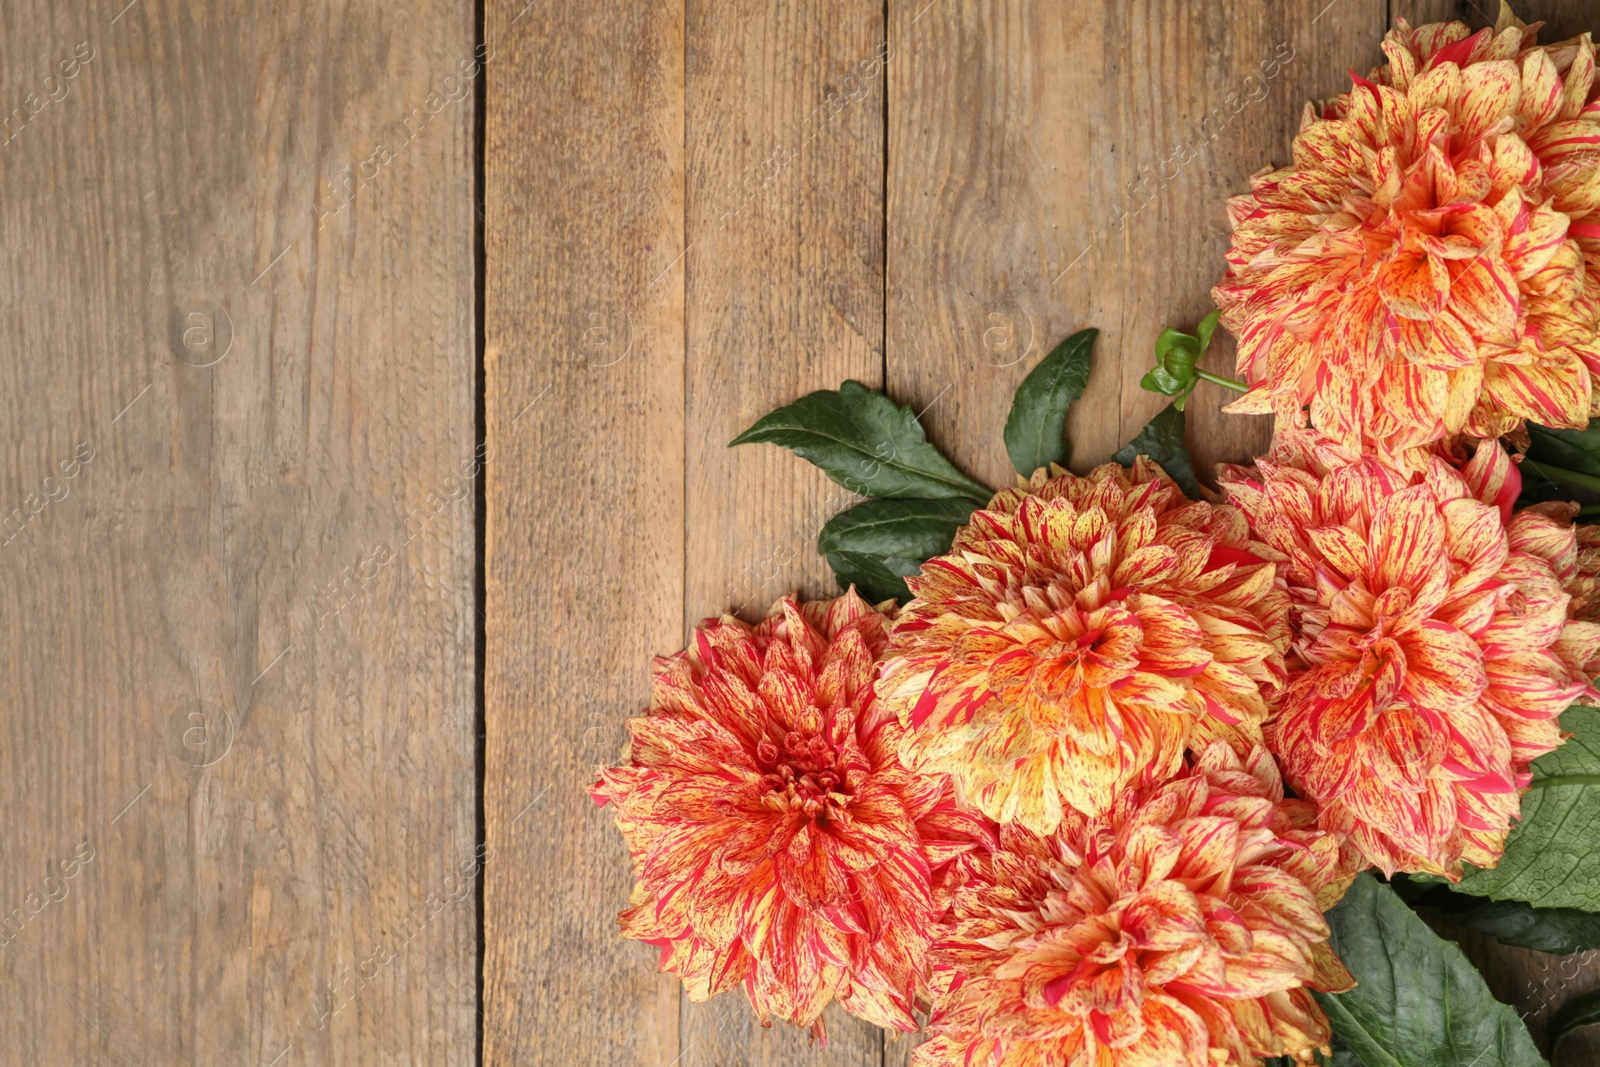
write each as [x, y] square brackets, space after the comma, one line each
[1180, 928]
[1422, 267]
[1135, 623]
[777, 840]
[1435, 645]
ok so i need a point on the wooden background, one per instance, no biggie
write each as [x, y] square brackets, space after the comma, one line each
[372, 368]
[237, 643]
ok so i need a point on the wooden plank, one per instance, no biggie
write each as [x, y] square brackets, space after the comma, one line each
[239, 682]
[767, 185]
[1235, 105]
[1422, 12]
[584, 528]
[784, 277]
[784, 280]
[1037, 186]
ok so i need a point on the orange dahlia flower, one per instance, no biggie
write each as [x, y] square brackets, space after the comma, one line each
[1081, 632]
[1181, 929]
[1430, 261]
[776, 839]
[1433, 652]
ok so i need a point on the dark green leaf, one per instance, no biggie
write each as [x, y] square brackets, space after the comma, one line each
[1342, 1056]
[1036, 428]
[911, 529]
[1436, 879]
[866, 443]
[1418, 1002]
[1575, 1014]
[878, 540]
[1559, 931]
[1415, 889]
[1162, 441]
[1561, 465]
[875, 578]
[1574, 450]
[1552, 857]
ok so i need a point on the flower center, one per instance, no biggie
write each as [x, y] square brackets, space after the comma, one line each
[1066, 650]
[803, 773]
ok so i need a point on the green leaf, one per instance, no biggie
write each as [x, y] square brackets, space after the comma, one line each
[1575, 1014]
[1178, 353]
[879, 542]
[1561, 465]
[1559, 931]
[1162, 441]
[1417, 1002]
[865, 442]
[1157, 380]
[1342, 1056]
[1036, 428]
[1552, 857]
[1207, 327]
[1575, 450]
[875, 578]
[911, 529]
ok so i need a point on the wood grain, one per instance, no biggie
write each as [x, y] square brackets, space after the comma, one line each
[583, 325]
[238, 611]
[238, 657]
[784, 295]
[1227, 91]
[1053, 167]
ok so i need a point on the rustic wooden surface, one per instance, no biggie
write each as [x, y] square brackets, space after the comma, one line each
[240, 616]
[783, 128]
[758, 200]
[238, 641]
[584, 405]
[697, 212]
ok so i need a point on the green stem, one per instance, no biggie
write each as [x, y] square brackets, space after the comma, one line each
[1217, 379]
[1589, 511]
[1562, 475]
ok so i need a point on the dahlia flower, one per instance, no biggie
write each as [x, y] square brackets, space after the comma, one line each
[776, 839]
[1430, 261]
[1573, 552]
[1079, 634]
[1433, 653]
[1180, 929]
[1584, 583]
